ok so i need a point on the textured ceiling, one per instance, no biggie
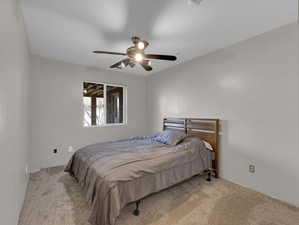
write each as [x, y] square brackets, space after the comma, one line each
[69, 30]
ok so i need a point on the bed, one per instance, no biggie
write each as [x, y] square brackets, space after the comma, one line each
[113, 174]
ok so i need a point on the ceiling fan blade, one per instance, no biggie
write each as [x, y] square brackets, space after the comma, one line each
[146, 67]
[116, 65]
[111, 53]
[145, 44]
[161, 57]
[121, 64]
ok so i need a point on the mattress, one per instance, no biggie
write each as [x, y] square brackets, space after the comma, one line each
[113, 174]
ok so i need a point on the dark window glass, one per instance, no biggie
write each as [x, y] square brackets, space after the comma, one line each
[114, 99]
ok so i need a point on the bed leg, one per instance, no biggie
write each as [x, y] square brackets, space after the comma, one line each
[136, 212]
[216, 174]
[209, 176]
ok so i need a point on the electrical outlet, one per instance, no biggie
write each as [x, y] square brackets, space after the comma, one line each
[251, 168]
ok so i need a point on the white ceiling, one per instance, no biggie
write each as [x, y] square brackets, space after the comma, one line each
[69, 30]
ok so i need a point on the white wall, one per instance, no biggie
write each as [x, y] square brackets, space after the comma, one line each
[14, 73]
[57, 111]
[253, 88]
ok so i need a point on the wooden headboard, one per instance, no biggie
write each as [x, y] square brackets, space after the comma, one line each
[205, 129]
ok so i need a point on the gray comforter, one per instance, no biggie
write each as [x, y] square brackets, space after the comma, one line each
[114, 174]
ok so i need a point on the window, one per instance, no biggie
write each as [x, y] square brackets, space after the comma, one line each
[103, 104]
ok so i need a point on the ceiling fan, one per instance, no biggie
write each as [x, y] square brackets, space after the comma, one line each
[135, 55]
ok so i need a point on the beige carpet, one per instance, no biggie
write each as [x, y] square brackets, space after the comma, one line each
[54, 198]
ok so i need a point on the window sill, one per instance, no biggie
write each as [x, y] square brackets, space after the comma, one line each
[107, 125]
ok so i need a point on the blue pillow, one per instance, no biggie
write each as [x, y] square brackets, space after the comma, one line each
[156, 134]
[169, 137]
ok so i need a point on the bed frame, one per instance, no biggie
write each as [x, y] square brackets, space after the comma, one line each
[205, 129]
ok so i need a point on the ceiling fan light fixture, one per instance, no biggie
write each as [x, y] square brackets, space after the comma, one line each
[138, 57]
[141, 45]
[147, 62]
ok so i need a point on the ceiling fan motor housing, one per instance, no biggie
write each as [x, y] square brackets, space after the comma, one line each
[132, 51]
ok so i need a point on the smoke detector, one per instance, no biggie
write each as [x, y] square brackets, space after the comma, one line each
[194, 2]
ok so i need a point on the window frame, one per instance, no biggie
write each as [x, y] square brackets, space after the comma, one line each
[125, 97]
